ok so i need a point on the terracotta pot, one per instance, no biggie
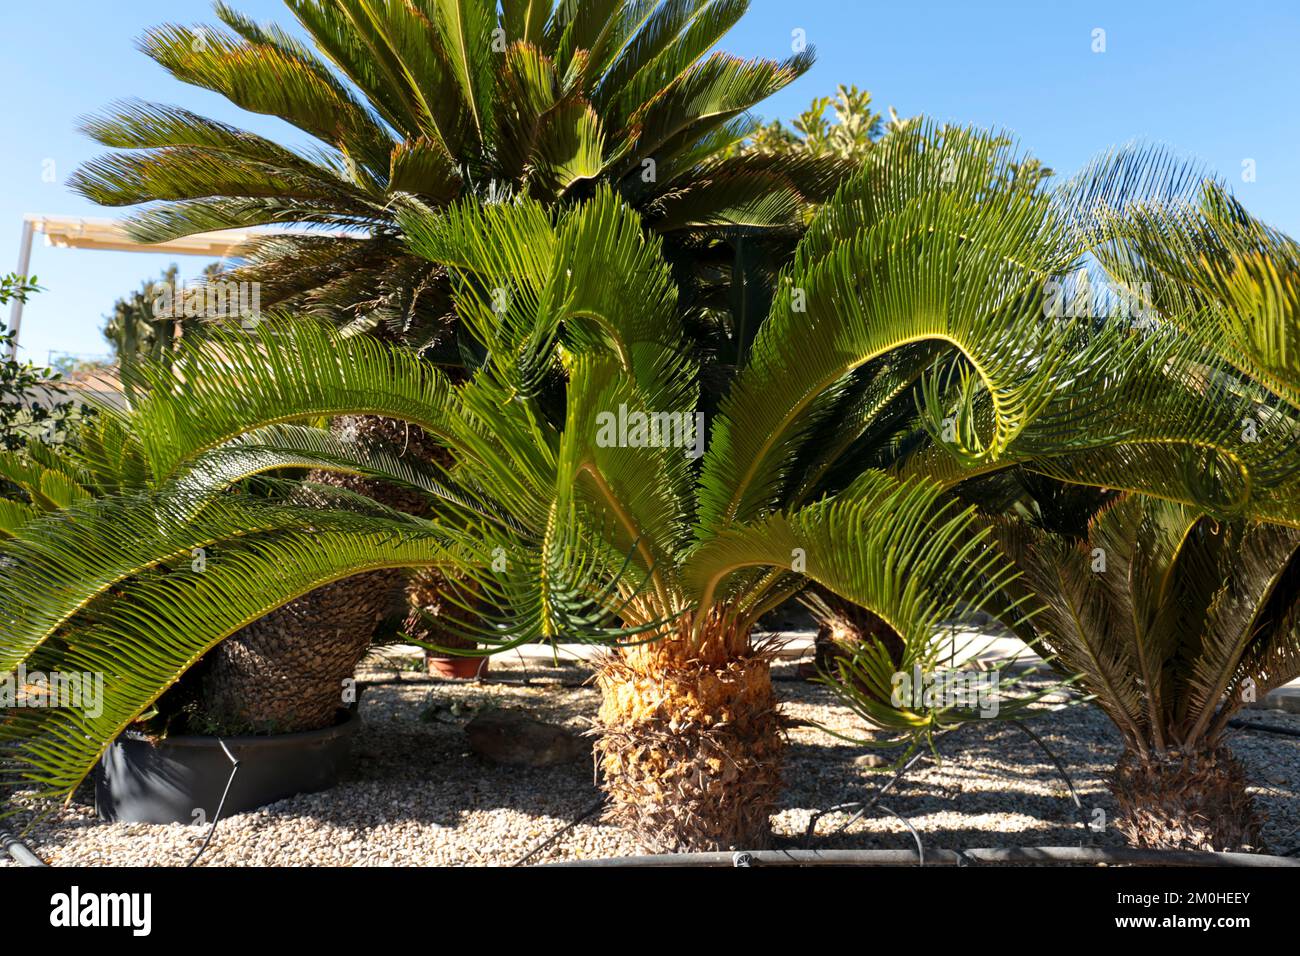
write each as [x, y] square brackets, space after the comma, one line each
[457, 668]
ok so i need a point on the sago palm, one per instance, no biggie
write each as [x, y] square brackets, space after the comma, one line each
[576, 317]
[439, 100]
[1190, 617]
[428, 102]
[1173, 622]
[1193, 413]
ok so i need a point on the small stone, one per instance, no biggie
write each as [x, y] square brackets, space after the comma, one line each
[872, 760]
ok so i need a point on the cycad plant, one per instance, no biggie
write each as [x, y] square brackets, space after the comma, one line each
[1173, 622]
[428, 102]
[1191, 419]
[435, 101]
[1174, 618]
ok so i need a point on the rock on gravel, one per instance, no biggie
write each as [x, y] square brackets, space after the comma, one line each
[513, 738]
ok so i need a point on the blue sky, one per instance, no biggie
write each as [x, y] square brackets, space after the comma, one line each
[1215, 80]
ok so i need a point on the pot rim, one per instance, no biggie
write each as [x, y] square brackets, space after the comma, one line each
[249, 740]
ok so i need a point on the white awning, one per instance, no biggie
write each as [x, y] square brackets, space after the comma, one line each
[76, 232]
[69, 232]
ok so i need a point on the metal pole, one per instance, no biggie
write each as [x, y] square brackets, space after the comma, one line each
[16, 307]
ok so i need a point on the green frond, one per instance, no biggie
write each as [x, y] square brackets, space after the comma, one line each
[162, 624]
[420, 66]
[523, 274]
[277, 447]
[643, 477]
[568, 149]
[70, 558]
[274, 80]
[235, 382]
[134, 124]
[14, 515]
[529, 88]
[1253, 560]
[48, 488]
[525, 20]
[466, 28]
[708, 95]
[891, 547]
[184, 172]
[1163, 614]
[920, 246]
[423, 167]
[165, 221]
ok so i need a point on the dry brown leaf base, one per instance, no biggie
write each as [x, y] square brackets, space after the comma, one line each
[689, 742]
[1194, 801]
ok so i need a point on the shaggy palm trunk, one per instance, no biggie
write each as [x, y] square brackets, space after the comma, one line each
[1185, 801]
[286, 671]
[843, 626]
[690, 740]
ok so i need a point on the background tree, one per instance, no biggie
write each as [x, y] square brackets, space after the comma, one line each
[856, 127]
[433, 102]
[135, 329]
[33, 403]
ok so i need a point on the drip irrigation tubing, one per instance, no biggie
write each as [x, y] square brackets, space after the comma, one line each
[983, 856]
[1238, 724]
[18, 851]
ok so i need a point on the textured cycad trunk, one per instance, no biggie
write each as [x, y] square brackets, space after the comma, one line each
[843, 626]
[1179, 800]
[689, 739]
[286, 671]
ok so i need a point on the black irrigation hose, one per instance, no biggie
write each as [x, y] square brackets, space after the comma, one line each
[1240, 724]
[916, 837]
[1060, 768]
[864, 807]
[594, 808]
[1041, 855]
[221, 805]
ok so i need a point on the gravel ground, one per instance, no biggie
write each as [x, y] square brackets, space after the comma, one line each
[416, 796]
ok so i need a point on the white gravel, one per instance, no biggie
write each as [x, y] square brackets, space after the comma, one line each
[416, 796]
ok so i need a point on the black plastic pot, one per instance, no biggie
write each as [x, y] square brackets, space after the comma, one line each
[142, 781]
